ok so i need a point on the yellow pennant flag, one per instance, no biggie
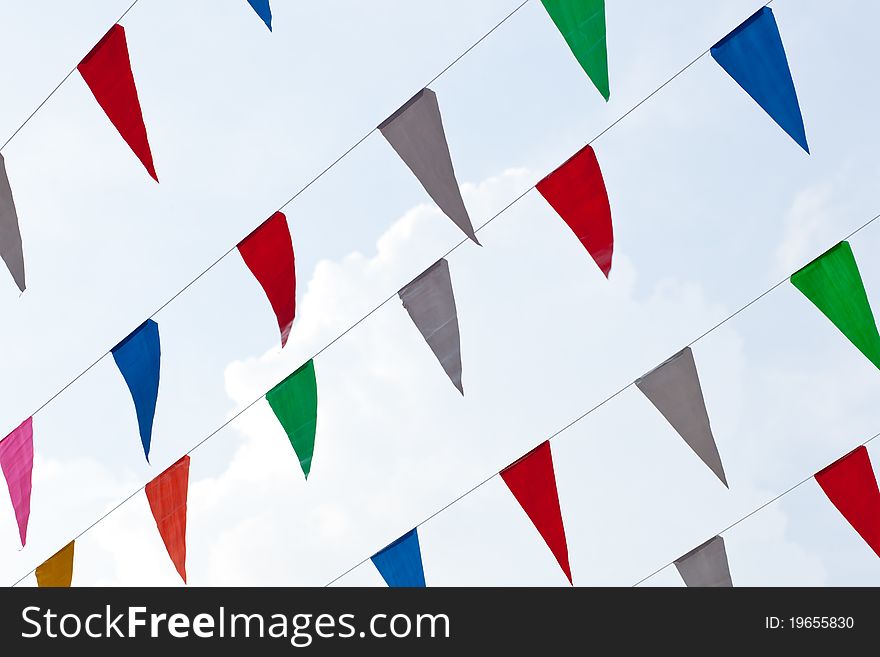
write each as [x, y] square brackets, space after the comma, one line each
[57, 570]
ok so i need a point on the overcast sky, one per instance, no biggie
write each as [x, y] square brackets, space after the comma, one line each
[712, 204]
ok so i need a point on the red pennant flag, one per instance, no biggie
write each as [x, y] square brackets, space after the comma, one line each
[576, 190]
[533, 484]
[851, 486]
[268, 253]
[107, 72]
[167, 497]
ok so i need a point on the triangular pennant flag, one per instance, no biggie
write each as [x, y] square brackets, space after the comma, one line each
[263, 10]
[582, 24]
[833, 283]
[754, 57]
[107, 72]
[17, 463]
[295, 403]
[674, 389]
[57, 570]
[431, 304]
[576, 190]
[400, 563]
[167, 495]
[268, 253]
[851, 486]
[415, 131]
[10, 233]
[705, 565]
[138, 357]
[533, 484]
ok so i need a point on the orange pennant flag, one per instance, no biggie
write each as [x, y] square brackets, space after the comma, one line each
[57, 570]
[167, 496]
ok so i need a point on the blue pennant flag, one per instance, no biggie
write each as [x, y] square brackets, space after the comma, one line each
[137, 357]
[753, 56]
[400, 564]
[263, 10]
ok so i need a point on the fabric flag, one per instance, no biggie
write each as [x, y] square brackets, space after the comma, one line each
[57, 570]
[17, 463]
[533, 484]
[295, 403]
[137, 357]
[10, 234]
[107, 72]
[400, 563]
[705, 565]
[674, 389]
[582, 24]
[268, 253]
[833, 284]
[167, 497]
[754, 57]
[431, 304]
[263, 10]
[415, 131]
[851, 486]
[576, 190]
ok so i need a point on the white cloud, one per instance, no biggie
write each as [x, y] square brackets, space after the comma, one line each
[809, 226]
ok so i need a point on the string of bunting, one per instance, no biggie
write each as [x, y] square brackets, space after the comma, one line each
[849, 483]
[674, 389]
[575, 190]
[831, 282]
[752, 55]
[268, 250]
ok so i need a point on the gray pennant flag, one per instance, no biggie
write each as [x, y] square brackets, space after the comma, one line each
[705, 565]
[10, 235]
[674, 388]
[431, 304]
[415, 131]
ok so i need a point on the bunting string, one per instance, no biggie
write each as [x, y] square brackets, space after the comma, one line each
[644, 579]
[290, 200]
[58, 86]
[754, 511]
[347, 152]
[552, 436]
[392, 296]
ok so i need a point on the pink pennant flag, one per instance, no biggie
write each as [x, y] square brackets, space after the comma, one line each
[17, 462]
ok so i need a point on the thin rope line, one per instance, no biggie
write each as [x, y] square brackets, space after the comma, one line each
[768, 291]
[474, 45]
[760, 508]
[479, 485]
[569, 425]
[57, 87]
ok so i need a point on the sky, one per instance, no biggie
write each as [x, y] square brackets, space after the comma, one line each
[712, 205]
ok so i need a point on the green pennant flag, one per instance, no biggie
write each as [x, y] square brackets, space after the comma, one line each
[832, 282]
[295, 403]
[582, 24]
